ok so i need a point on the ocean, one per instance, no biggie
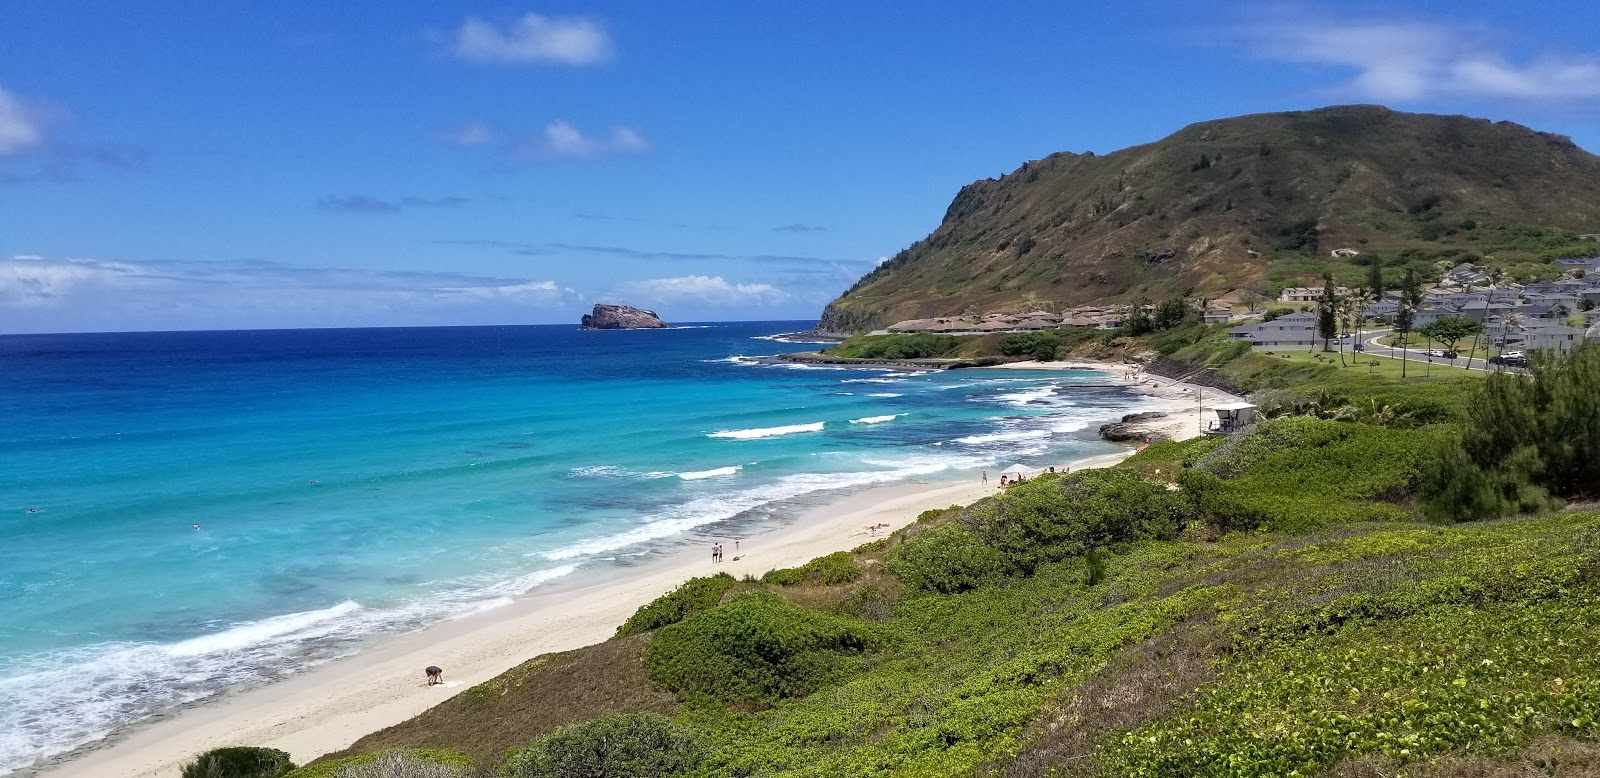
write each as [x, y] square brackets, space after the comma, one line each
[354, 483]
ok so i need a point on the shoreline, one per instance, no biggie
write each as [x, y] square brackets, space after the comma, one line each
[330, 706]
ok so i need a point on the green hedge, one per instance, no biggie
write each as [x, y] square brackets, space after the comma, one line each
[948, 560]
[1052, 518]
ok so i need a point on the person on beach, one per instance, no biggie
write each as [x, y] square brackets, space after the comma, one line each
[435, 675]
[986, 476]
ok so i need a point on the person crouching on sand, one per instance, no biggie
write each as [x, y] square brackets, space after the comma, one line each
[435, 675]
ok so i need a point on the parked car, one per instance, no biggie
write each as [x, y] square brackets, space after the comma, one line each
[1360, 347]
[1433, 352]
[1447, 354]
[1509, 361]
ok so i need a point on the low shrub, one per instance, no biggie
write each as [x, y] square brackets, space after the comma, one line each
[1050, 519]
[948, 560]
[695, 595]
[758, 647]
[400, 763]
[836, 568]
[634, 745]
[239, 762]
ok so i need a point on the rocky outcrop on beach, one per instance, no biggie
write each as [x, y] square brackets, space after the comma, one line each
[621, 317]
[1134, 427]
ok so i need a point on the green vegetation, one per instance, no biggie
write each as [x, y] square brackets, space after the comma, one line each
[830, 570]
[636, 744]
[920, 345]
[1527, 440]
[399, 763]
[239, 762]
[695, 595]
[757, 648]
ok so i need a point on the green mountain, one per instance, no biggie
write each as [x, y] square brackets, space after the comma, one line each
[1257, 200]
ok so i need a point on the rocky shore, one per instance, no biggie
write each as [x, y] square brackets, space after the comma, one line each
[1135, 427]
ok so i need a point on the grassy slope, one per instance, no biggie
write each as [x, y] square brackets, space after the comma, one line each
[1403, 188]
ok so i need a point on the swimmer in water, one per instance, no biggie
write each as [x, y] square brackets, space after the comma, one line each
[35, 510]
[197, 526]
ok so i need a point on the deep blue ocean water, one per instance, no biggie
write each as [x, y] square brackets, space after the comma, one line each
[360, 482]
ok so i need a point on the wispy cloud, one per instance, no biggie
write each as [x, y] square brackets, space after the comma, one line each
[701, 290]
[361, 203]
[533, 38]
[19, 125]
[38, 294]
[1413, 60]
[558, 140]
[561, 140]
[799, 228]
[473, 134]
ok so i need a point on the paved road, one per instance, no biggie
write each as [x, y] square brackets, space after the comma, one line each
[1415, 355]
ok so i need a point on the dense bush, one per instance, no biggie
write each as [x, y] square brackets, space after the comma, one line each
[634, 745]
[695, 595]
[948, 560]
[836, 568]
[1038, 345]
[921, 345]
[1527, 439]
[1052, 518]
[758, 647]
[239, 762]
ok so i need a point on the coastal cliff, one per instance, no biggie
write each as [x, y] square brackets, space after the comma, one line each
[621, 317]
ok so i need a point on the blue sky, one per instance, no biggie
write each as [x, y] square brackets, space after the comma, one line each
[174, 165]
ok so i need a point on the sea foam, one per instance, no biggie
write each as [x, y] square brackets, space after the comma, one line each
[768, 432]
[876, 419]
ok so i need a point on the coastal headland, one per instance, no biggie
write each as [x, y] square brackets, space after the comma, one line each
[329, 707]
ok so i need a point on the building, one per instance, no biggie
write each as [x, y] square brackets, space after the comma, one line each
[1295, 329]
[1307, 294]
[1557, 337]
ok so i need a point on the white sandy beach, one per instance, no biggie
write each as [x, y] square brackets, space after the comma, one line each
[328, 707]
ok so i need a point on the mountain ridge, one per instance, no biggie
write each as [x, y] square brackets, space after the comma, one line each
[1226, 203]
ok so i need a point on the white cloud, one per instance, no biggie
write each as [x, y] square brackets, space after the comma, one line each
[1421, 60]
[708, 290]
[561, 140]
[569, 40]
[19, 128]
[43, 295]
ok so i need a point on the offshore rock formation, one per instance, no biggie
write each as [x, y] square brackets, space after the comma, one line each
[621, 317]
[1131, 428]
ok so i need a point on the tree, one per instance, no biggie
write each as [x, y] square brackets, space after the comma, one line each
[1375, 282]
[1410, 300]
[1328, 314]
[1138, 321]
[1170, 313]
[1450, 330]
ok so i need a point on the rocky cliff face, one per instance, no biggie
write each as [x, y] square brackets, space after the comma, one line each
[621, 317]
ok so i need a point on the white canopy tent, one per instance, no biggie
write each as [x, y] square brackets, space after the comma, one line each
[1020, 469]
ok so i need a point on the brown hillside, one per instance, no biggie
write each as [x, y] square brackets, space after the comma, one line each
[1225, 203]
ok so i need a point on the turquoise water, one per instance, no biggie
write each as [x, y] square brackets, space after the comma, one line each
[355, 483]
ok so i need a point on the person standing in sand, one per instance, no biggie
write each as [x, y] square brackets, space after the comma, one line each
[435, 675]
[985, 477]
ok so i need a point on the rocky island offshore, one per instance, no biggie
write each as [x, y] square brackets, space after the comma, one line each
[621, 317]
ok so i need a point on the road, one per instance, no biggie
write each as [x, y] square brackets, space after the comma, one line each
[1415, 355]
